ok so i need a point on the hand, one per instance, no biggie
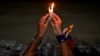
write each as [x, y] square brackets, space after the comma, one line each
[56, 24]
[42, 26]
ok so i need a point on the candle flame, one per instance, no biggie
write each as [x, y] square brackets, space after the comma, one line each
[70, 29]
[51, 7]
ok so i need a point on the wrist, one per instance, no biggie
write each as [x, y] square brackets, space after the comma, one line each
[59, 33]
[38, 36]
[61, 38]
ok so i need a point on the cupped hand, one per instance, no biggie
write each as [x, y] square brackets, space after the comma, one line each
[42, 26]
[56, 23]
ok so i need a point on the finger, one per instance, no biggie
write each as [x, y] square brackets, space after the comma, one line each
[43, 18]
[54, 20]
[56, 16]
[46, 21]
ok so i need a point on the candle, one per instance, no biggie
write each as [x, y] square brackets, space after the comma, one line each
[50, 9]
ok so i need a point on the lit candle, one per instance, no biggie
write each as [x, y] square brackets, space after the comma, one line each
[50, 9]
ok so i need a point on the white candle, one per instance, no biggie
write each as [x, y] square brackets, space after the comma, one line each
[50, 10]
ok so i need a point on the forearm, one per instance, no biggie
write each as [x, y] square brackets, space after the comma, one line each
[31, 50]
[42, 28]
[65, 49]
[64, 46]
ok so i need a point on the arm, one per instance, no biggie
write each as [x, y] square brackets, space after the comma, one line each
[57, 27]
[42, 27]
[31, 50]
[65, 49]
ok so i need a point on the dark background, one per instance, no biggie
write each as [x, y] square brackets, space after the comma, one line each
[19, 19]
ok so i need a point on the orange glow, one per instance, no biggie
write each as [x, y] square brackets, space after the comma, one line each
[51, 8]
[69, 29]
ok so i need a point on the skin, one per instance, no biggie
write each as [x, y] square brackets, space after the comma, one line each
[42, 28]
[56, 23]
[57, 28]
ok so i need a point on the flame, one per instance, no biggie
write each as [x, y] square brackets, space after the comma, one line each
[51, 7]
[70, 29]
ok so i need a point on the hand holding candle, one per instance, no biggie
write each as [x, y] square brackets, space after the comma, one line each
[50, 9]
